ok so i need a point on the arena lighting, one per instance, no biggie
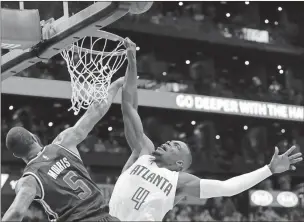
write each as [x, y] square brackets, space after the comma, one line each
[137, 48]
[180, 3]
[50, 124]
[75, 113]
[193, 122]
[11, 107]
[245, 127]
[110, 128]
[276, 23]
[217, 137]
[261, 198]
[246, 63]
[235, 58]
[285, 143]
[274, 198]
[164, 73]
[227, 15]
[279, 67]
[187, 62]
[287, 199]
[281, 71]
[246, 3]
[282, 130]
[280, 9]
[266, 21]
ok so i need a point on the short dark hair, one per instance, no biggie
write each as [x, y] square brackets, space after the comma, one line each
[19, 141]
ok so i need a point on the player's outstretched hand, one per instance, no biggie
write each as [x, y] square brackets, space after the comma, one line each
[129, 44]
[131, 49]
[284, 162]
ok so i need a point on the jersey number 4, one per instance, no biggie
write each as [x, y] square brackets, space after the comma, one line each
[139, 197]
[86, 191]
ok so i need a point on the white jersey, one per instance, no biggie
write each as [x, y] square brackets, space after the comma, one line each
[144, 192]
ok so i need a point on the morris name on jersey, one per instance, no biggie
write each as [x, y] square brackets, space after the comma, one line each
[58, 167]
[153, 178]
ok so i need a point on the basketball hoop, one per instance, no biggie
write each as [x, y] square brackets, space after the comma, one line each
[91, 69]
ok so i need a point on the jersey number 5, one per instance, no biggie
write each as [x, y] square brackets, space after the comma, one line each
[139, 197]
[86, 191]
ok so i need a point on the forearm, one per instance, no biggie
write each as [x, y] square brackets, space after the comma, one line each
[95, 113]
[130, 84]
[131, 73]
[233, 186]
[12, 215]
[98, 110]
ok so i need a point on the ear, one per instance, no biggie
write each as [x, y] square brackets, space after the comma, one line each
[180, 164]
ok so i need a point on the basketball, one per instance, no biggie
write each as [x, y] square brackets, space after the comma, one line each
[140, 7]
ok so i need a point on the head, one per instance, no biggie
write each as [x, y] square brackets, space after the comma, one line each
[173, 155]
[22, 143]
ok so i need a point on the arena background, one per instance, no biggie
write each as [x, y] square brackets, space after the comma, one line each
[227, 77]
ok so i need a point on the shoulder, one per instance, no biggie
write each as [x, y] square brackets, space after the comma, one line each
[31, 179]
[69, 132]
[66, 139]
[185, 178]
[28, 182]
[145, 158]
[188, 185]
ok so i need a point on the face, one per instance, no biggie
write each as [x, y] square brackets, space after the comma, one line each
[173, 155]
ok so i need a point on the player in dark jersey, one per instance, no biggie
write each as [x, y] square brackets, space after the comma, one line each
[55, 175]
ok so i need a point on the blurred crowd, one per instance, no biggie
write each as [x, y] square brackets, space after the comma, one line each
[217, 209]
[281, 21]
[229, 77]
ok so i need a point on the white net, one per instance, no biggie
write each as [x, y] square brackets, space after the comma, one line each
[91, 68]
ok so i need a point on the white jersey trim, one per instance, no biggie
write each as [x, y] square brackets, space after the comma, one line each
[39, 182]
[48, 209]
[71, 152]
[38, 155]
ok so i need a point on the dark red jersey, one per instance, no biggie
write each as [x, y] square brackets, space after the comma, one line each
[68, 192]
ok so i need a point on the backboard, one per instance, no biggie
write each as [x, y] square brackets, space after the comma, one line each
[73, 21]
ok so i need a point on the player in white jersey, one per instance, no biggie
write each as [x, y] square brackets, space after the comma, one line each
[153, 181]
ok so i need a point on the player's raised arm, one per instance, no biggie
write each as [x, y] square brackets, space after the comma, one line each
[72, 136]
[26, 190]
[190, 185]
[137, 140]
